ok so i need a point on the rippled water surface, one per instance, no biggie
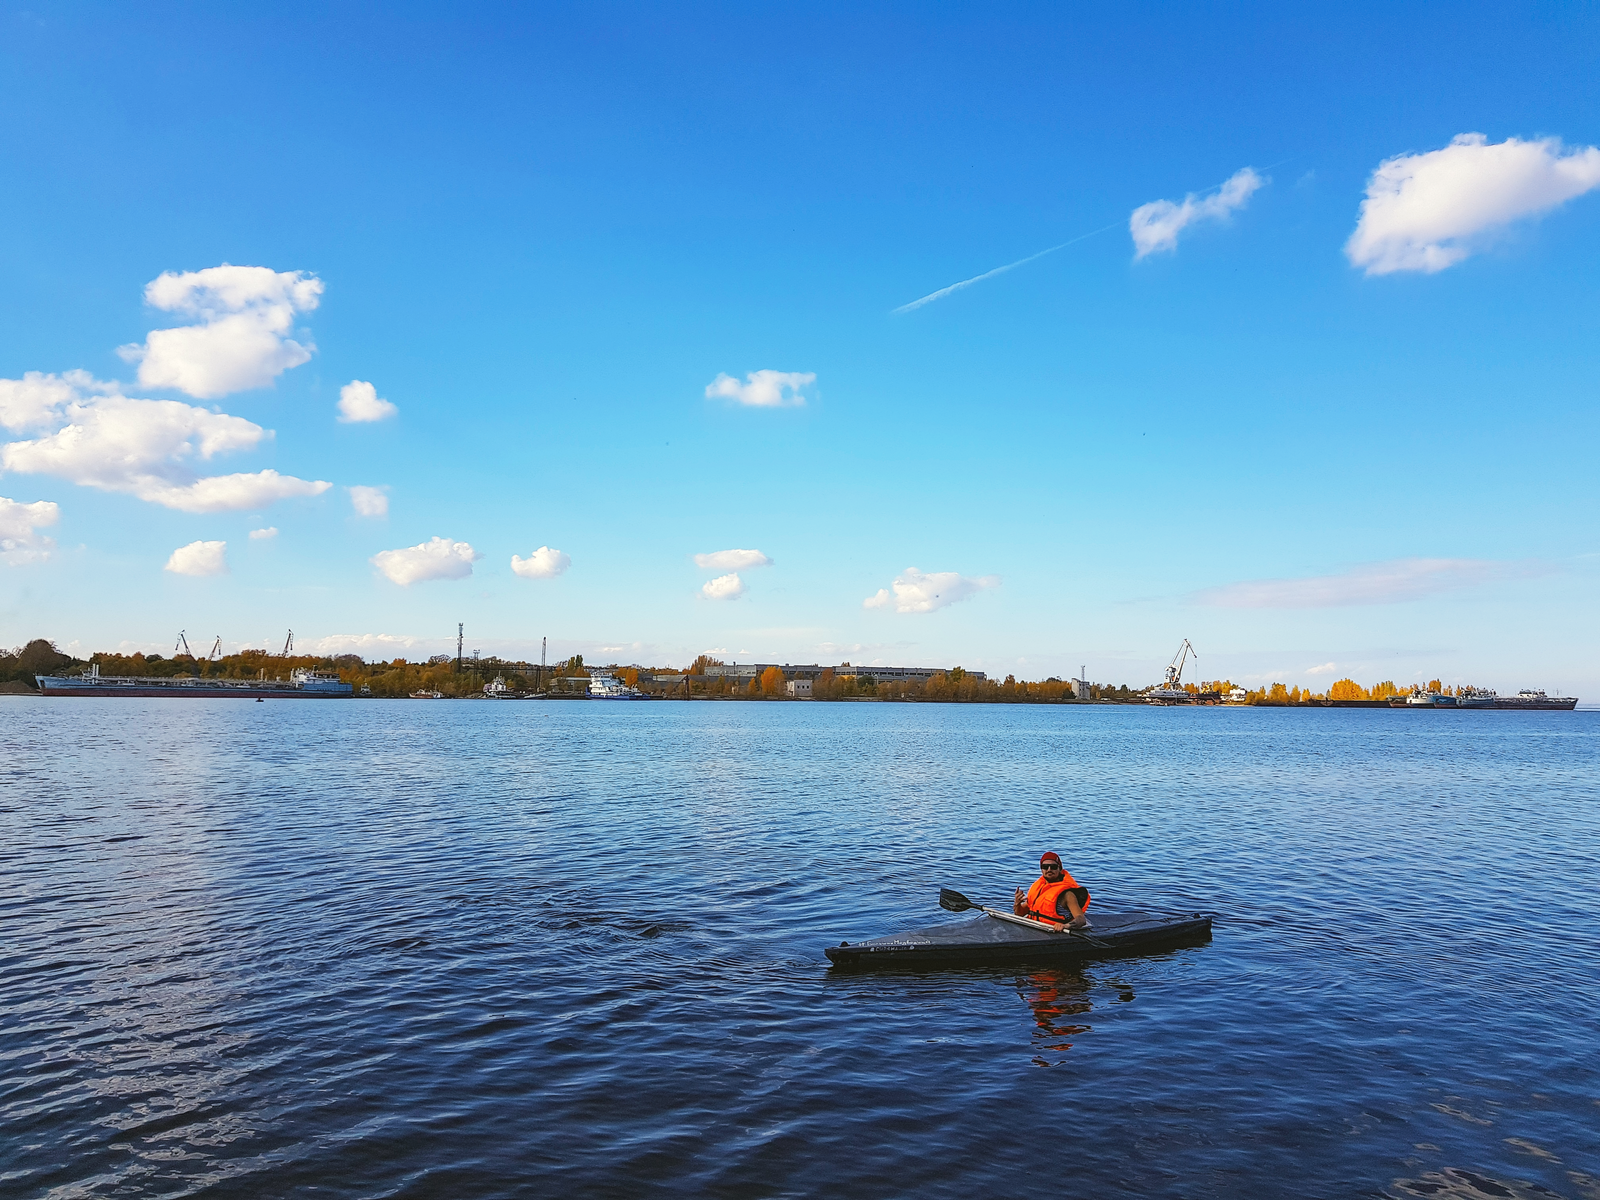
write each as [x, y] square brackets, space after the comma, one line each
[517, 949]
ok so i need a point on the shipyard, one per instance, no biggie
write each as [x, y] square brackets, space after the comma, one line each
[283, 675]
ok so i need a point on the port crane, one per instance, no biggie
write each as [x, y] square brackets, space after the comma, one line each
[216, 650]
[184, 642]
[1174, 677]
[288, 644]
[1171, 689]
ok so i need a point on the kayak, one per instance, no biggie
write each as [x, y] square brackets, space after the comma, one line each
[987, 939]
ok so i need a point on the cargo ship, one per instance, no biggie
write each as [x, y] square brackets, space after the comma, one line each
[302, 684]
[1526, 699]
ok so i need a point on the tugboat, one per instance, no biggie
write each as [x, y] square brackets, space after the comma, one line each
[1476, 698]
[1421, 699]
[605, 686]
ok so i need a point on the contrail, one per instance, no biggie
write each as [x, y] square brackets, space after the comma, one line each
[956, 287]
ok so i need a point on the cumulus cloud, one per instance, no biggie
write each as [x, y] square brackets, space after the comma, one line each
[723, 587]
[359, 401]
[20, 540]
[437, 558]
[923, 592]
[1392, 582]
[368, 645]
[103, 439]
[543, 563]
[242, 341]
[261, 535]
[1156, 226]
[369, 501]
[199, 558]
[731, 560]
[1326, 668]
[1426, 212]
[763, 389]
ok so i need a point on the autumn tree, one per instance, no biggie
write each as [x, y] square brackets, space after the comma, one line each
[772, 682]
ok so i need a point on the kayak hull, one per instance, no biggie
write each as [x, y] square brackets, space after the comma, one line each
[985, 939]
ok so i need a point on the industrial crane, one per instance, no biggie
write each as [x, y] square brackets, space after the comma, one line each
[216, 650]
[184, 642]
[288, 644]
[1171, 689]
[1174, 678]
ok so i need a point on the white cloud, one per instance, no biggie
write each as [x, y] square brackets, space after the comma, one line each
[763, 389]
[438, 558]
[369, 501]
[368, 645]
[359, 401]
[1392, 582]
[199, 558]
[1426, 212]
[142, 447]
[35, 401]
[261, 535]
[731, 560]
[723, 587]
[1156, 226]
[1324, 669]
[919, 592]
[20, 540]
[242, 341]
[543, 563]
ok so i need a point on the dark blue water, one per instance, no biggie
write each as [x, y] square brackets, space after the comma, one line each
[478, 950]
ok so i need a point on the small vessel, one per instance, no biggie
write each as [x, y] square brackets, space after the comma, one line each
[988, 939]
[496, 688]
[1475, 698]
[425, 694]
[605, 686]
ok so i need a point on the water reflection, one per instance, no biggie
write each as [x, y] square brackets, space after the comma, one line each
[1057, 997]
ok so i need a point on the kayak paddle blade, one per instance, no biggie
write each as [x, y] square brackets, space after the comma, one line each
[954, 901]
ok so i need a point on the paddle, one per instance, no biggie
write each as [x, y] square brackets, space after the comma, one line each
[952, 901]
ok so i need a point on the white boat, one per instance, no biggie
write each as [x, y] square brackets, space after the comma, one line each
[605, 686]
[496, 688]
[425, 694]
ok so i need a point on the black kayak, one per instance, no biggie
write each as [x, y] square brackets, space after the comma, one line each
[987, 939]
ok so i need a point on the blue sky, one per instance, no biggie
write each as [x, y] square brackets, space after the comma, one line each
[543, 236]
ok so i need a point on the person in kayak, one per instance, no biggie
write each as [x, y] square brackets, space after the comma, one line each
[1055, 896]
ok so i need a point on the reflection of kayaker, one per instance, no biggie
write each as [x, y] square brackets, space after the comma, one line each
[1055, 896]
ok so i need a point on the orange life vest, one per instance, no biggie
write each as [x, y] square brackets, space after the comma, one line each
[1043, 895]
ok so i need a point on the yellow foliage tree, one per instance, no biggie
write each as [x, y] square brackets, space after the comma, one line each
[772, 682]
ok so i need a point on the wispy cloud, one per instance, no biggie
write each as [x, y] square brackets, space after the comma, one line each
[1155, 226]
[369, 501]
[924, 592]
[1426, 212]
[261, 535]
[380, 645]
[1012, 266]
[1392, 582]
[763, 389]
[731, 560]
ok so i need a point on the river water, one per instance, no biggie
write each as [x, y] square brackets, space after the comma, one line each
[391, 949]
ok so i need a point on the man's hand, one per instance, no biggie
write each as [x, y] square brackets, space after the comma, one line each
[1019, 903]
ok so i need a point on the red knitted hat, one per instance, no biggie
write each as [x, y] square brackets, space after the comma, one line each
[1049, 856]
